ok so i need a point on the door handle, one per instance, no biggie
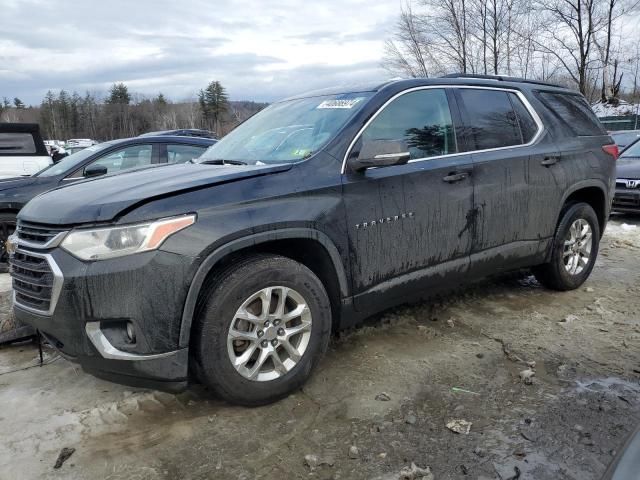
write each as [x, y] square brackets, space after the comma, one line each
[456, 177]
[550, 160]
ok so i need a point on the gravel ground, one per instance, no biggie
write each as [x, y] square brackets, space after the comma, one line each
[549, 381]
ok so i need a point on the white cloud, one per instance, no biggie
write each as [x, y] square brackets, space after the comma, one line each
[258, 49]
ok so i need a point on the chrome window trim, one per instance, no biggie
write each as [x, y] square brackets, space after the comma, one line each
[107, 350]
[518, 93]
[56, 287]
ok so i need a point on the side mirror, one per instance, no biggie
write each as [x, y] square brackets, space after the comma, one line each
[95, 171]
[379, 153]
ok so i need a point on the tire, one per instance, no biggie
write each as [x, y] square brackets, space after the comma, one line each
[565, 271]
[227, 297]
[7, 227]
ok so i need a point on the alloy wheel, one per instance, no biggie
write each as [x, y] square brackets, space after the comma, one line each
[269, 333]
[577, 247]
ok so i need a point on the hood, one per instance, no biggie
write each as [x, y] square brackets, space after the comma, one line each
[628, 170]
[13, 182]
[102, 199]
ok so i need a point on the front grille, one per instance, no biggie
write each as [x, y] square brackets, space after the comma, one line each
[34, 281]
[628, 184]
[37, 234]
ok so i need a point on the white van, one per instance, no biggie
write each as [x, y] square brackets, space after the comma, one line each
[22, 151]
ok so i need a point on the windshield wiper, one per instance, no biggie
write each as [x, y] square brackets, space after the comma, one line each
[222, 161]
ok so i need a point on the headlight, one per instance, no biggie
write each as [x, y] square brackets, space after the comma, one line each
[103, 243]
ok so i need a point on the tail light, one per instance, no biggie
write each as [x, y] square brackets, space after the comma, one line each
[612, 150]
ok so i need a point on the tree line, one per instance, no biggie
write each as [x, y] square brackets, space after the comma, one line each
[121, 114]
[578, 43]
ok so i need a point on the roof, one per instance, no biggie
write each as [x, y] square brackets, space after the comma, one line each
[453, 79]
[164, 139]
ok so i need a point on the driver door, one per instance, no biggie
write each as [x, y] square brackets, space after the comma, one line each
[410, 225]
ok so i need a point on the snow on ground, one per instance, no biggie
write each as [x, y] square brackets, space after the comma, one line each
[621, 110]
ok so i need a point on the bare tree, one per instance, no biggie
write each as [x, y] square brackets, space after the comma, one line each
[405, 51]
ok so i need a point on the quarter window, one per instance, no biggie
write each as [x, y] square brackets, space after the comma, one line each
[421, 119]
[183, 153]
[575, 111]
[490, 119]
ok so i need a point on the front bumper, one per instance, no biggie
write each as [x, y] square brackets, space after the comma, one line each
[93, 303]
[626, 200]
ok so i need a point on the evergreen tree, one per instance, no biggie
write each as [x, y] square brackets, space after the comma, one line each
[119, 95]
[18, 103]
[214, 103]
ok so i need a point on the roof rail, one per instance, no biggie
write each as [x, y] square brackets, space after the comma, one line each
[502, 78]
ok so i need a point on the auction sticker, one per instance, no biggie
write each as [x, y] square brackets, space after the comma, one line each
[340, 103]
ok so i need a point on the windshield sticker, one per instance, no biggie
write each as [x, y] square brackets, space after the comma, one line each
[345, 103]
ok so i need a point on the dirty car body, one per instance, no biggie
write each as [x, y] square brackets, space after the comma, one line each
[469, 197]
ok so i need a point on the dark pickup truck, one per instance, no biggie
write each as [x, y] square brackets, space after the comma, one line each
[312, 215]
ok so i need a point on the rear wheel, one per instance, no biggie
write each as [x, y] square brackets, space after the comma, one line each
[7, 227]
[262, 325]
[574, 250]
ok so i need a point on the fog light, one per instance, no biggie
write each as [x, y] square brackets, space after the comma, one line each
[131, 333]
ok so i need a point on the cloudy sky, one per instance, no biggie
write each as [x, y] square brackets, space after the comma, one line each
[258, 49]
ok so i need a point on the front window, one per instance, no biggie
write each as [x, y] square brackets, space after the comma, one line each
[288, 131]
[70, 162]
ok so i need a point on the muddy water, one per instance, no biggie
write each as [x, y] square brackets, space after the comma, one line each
[456, 358]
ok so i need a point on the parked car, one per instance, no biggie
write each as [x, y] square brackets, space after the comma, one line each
[22, 151]
[100, 159]
[183, 132]
[235, 270]
[623, 138]
[627, 196]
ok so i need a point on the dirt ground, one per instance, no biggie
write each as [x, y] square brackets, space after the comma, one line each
[380, 400]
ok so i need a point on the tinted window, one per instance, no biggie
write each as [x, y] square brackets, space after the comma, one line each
[422, 119]
[575, 111]
[11, 143]
[490, 119]
[183, 153]
[528, 126]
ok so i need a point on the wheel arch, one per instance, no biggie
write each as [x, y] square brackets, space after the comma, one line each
[310, 247]
[593, 193]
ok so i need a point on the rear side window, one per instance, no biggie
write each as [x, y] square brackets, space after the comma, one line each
[528, 125]
[490, 119]
[12, 143]
[575, 112]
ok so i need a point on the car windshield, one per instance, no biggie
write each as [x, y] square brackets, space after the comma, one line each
[623, 139]
[631, 153]
[288, 131]
[70, 162]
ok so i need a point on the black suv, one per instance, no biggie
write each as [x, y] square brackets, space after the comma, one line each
[315, 213]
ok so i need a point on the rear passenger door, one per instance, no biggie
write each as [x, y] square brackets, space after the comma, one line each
[180, 152]
[409, 225]
[503, 133]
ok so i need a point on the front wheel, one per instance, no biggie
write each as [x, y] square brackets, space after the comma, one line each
[262, 325]
[574, 250]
